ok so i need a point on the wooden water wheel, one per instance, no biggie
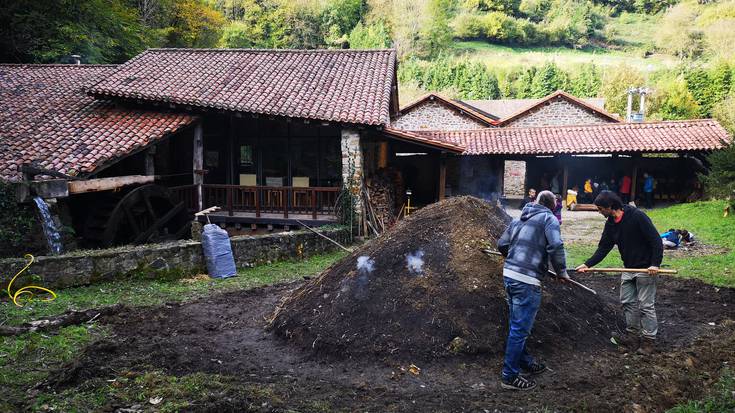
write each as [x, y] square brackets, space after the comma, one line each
[144, 214]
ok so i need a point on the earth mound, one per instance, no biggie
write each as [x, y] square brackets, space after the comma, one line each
[425, 288]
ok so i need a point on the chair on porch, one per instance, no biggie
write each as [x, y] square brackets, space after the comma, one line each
[246, 198]
[300, 197]
[274, 197]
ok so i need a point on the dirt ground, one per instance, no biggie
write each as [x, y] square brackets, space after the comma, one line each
[225, 334]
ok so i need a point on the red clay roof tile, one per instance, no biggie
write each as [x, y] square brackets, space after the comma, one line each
[668, 136]
[48, 120]
[352, 86]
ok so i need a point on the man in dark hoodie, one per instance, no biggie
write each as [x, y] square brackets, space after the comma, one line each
[640, 247]
[528, 245]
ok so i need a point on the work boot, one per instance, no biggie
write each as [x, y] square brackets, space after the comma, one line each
[648, 346]
[626, 341]
[518, 383]
[534, 369]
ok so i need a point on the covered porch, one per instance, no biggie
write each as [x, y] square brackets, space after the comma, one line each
[263, 171]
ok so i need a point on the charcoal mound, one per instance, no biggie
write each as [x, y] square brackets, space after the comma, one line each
[425, 288]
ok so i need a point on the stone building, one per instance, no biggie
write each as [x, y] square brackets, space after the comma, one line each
[270, 136]
[532, 142]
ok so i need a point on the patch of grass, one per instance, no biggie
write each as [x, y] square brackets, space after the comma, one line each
[137, 291]
[155, 390]
[705, 221]
[721, 399]
[633, 30]
[27, 359]
[507, 57]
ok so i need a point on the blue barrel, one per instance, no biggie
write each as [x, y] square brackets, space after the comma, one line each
[218, 252]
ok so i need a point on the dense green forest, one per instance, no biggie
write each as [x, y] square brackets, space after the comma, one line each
[472, 49]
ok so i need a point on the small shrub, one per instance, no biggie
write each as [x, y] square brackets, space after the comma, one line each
[16, 223]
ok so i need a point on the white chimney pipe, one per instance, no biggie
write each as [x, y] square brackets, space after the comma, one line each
[629, 113]
[642, 108]
[77, 59]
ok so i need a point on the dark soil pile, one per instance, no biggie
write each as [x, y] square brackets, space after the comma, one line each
[425, 289]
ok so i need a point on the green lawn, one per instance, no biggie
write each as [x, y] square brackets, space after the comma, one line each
[507, 57]
[705, 220]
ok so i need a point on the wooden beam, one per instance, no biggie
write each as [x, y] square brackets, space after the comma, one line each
[382, 154]
[198, 163]
[442, 176]
[634, 180]
[150, 161]
[106, 184]
[565, 183]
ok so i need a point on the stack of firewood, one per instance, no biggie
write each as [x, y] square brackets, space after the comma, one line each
[379, 203]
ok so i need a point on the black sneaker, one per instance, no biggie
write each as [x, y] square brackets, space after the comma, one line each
[518, 383]
[535, 368]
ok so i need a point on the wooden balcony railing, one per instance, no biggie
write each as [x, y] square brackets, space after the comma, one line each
[314, 201]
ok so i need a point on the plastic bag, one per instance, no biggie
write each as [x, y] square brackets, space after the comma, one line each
[218, 252]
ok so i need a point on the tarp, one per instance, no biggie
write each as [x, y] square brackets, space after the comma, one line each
[218, 252]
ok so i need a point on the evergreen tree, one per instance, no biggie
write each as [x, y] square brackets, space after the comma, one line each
[547, 81]
[587, 82]
[524, 84]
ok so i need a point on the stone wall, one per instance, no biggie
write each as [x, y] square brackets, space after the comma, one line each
[175, 259]
[432, 115]
[514, 179]
[352, 165]
[557, 112]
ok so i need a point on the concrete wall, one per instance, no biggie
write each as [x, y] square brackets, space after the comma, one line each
[176, 259]
[557, 112]
[435, 116]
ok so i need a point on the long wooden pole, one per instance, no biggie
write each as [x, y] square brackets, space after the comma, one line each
[322, 235]
[198, 163]
[552, 273]
[629, 270]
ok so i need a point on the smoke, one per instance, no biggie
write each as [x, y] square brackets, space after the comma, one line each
[365, 264]
[415, 262]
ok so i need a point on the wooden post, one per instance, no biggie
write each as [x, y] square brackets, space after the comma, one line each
[150, 161]
[231, 175]
[565, 184]
[230, 208]
[313, 204]
[257, 202]
[634, 179]
[198, 164]
[382, 154]
[442, 176]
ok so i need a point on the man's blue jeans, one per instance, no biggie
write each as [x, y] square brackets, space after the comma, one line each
[523, 303]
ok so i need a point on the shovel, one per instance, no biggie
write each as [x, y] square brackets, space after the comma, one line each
[578, 284]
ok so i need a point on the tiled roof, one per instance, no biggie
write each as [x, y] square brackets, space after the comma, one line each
[351, 86]
[503, 108]
[414, 137]
[47, 119]
[466, 110]
[560, 94]
[669, 136]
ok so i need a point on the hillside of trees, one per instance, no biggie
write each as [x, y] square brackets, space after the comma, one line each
[697, 35]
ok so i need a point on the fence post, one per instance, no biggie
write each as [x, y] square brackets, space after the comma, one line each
[229, 201]
[313, 204]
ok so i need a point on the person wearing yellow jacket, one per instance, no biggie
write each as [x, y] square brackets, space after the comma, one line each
[588, 190]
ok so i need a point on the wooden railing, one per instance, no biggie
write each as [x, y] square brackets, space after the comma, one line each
[186, 194]
[259, 200]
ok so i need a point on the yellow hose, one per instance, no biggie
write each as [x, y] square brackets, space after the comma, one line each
[27, 289]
